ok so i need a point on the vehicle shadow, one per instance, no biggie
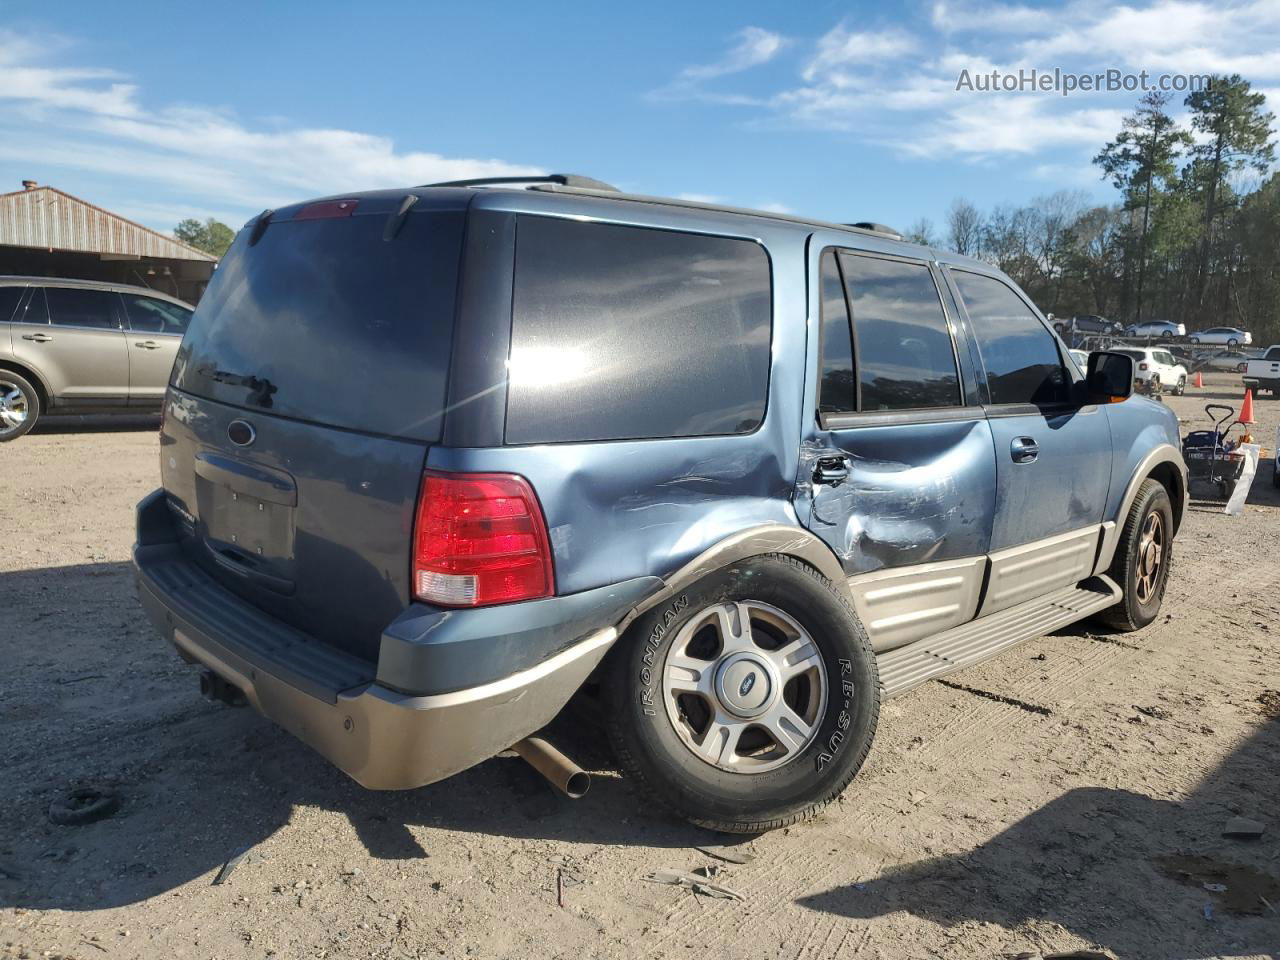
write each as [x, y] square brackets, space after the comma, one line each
[1084, 860]
[96, 423]
[104, 701]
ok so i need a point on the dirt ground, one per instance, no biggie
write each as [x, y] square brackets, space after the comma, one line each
[1045, 801]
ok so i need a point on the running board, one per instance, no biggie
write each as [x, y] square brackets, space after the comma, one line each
[970, 643]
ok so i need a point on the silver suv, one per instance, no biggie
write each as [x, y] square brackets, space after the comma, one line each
[79, 346]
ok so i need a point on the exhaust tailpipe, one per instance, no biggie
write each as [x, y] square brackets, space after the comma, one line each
[213, 687]
[565, 775]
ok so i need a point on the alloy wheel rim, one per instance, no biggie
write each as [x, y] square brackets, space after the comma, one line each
[1151, 552]
[14, 407]
[745, 687]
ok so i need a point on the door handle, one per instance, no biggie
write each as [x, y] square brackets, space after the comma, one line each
[37, 337]
[831, 471]
[1024, 450]
[147, 344]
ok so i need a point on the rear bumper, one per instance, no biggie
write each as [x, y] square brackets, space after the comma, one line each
[384, 738]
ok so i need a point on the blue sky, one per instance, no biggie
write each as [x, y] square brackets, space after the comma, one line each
[845, 111]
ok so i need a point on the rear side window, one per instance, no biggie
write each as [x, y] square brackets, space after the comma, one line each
[149, 315]
[96, 309]
[1273, 353]
[836, 388]
[631, 333]
[902, 345]
[1020, 355]
[9, 297]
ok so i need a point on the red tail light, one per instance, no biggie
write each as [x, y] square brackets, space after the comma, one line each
[1142, 366]
[480, 539]
[327, 210]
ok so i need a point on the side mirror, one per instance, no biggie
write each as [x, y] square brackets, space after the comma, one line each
[1110, 377]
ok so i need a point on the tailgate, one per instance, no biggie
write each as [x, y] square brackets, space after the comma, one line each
[305, 396]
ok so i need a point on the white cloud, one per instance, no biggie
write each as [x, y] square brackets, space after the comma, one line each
[752, 47]
[840, 49]
[888, 86]
[70, 120]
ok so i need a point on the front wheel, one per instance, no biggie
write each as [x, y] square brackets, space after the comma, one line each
[1233, 343]
[1195, 339]
[748, 701]
[1181, 388]
[19, 406]
[1143, 556]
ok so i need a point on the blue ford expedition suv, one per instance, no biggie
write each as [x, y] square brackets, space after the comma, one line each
[432, 459]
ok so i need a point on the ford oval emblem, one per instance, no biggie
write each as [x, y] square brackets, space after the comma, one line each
[748, 682]
[241, 433]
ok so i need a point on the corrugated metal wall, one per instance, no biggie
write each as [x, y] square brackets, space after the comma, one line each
[46, 218]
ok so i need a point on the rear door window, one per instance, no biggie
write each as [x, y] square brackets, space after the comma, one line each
[836, 387]
[625, 332]
[94, 309]
[149, 315]
[9, 297]
[1273, 353]
[902, 347]
[1019, 353]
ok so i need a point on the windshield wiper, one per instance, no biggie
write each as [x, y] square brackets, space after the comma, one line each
[260, 388]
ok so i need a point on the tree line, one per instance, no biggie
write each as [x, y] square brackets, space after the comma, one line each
[1194, 237]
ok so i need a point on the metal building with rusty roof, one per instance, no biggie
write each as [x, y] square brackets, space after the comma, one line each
[48, 233]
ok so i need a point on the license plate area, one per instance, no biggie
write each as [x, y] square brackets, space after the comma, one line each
[245, 516]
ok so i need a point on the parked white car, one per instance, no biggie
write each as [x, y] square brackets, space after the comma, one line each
[1231, 360]
[1227, 336]
[1160, 367]
[1155, 328]
[1081, 358]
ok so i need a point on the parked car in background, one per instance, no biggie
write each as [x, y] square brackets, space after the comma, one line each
[78, 346]
[1264, 374]
[1081, 359]
[1156, 328]
[1228, 336]
[1233, 360]
[630, 447]
[1157, 368]
[1087, 323]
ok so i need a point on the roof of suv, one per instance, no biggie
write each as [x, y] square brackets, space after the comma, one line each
[15, 281]
[518, 194]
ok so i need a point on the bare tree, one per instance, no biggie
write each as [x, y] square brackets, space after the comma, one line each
[964, 228]
[922, 232]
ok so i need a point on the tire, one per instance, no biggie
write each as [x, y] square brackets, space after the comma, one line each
[19, 405]
[1195, 340]
[1166, 335]
[1233, 343]
[1181, 388]
[1128, 570]
[83, 805]
[655, 732]
[1275, 473]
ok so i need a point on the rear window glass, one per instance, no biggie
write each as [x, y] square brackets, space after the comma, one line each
[630, 333]
[323, 320]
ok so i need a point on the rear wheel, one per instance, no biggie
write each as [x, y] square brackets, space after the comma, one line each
[1181, 388]
[19, 406]
[748, 701]
[1143, 555]
[1195, 339]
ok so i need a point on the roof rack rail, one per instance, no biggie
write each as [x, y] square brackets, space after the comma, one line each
[562, 179]
[876, 228]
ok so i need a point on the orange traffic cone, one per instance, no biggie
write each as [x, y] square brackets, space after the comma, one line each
[1246, 408]
[1199, 379]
